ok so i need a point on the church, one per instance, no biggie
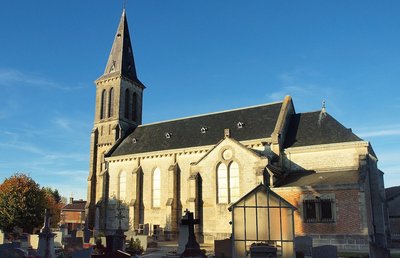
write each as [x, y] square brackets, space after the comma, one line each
[204, 163]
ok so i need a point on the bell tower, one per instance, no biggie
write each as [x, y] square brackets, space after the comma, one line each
[119, 98]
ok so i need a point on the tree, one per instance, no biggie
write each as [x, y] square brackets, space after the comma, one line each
[22, 203]
[54, 204]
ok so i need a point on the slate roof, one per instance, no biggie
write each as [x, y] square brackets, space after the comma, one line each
[322, 178]
[75, 205]
[121, 60]
[259, 122]
[392, 192]
[312, 129]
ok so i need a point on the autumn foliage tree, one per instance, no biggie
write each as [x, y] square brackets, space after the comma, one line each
[23, 202]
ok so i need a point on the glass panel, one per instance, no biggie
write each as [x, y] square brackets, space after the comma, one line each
[326, 210]
[263, 224]
[273, 201]
[287, 250]
[234, 182]
[240, 249]
[262, 198]
[275, 229]
[310, 212]
[287, 227]
[238, 223]
[250, 200]
[222, 181]
[251, 226]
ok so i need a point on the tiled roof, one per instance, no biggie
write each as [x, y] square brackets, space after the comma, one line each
[258, 122]
[313, 128]
[75, 205]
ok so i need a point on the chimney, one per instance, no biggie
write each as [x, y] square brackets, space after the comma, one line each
[71, 200]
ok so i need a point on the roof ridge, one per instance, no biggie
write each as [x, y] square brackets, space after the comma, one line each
[211, 113]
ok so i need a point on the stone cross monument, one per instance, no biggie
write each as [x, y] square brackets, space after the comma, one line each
[192, 248]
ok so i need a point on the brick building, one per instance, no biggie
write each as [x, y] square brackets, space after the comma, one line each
[73, 214]
[206, 162]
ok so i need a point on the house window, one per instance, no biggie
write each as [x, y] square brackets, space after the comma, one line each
[111, 103]
[103, 104]
[228, 183]
[127, 104]
[156, 188]
[122, 185]
[318, 210]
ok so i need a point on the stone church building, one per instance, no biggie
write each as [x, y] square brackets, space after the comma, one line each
[204, 163]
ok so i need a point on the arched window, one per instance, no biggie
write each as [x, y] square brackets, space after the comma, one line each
[156, 188]
[103, 104]
[111, 103]
[122, 186]
[127, 104]
[234, 190]
[134, 107]
[222, 181]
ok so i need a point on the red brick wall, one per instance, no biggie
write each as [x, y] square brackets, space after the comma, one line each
[73, 216]
[347, 204]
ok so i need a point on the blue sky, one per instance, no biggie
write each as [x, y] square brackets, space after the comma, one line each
[194, 57]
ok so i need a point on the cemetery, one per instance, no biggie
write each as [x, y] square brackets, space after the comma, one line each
[262, 226]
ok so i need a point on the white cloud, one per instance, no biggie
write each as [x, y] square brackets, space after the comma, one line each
[379, 131]
[11, 77]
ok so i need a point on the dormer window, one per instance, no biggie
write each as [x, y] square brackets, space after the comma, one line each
[240, 125]
[168, 135]
[203, 129]
[134, 140]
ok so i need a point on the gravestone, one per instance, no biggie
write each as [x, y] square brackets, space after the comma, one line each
[79, 233]
[303, 245]
[223, 248]
[46, 239]
[72, 244]
[34, 241]
[8, 250]
[192, 248]
[183, 236]
[378, 251]
[1, 237]
[324, 251]
[84, 253]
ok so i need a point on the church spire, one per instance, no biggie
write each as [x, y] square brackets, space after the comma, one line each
[121, 61]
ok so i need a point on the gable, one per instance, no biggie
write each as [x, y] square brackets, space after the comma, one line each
[258, 122]
[233, 149]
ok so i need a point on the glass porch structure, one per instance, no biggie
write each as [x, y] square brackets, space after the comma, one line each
[262, 216]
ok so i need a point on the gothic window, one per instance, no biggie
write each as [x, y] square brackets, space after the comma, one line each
[156, 188]
[103, 104]
[134, 107]
[222, 177]
[318, 210]
[127, 99]
[234, 190]
[122, 185]
[228, 183]
[111, 103]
